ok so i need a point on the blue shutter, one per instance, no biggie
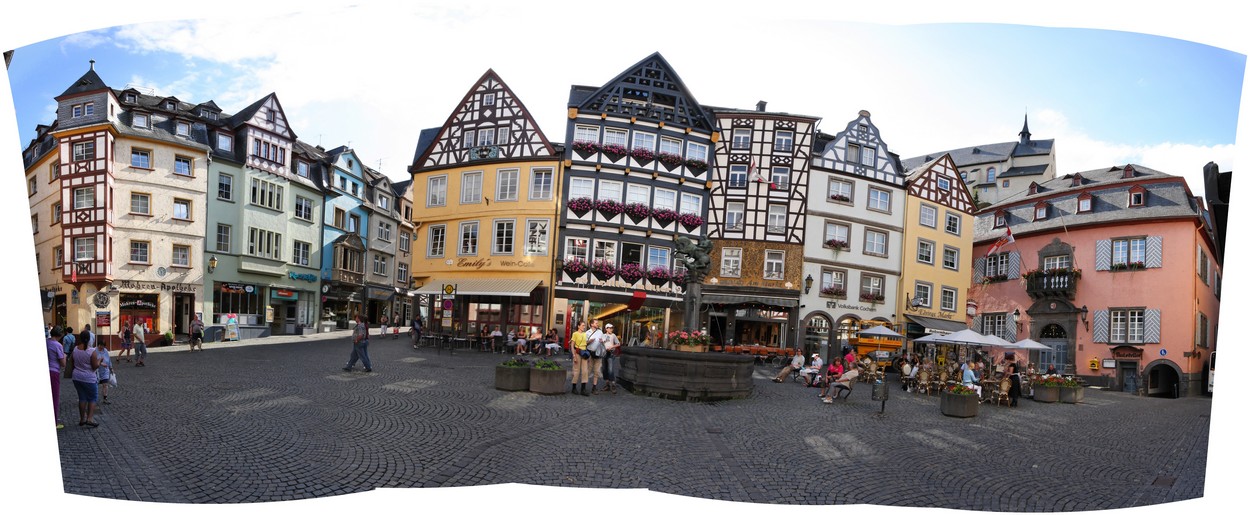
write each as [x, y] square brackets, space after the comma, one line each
[1102, 326]
[1009, 330]
[1102, 255]
[1013, 265]
[976, 324]
[1153, 319]
[978, 270]
[1154, 252]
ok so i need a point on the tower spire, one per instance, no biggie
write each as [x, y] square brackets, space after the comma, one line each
[1025, 135]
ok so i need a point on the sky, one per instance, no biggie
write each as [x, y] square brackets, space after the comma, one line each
[372, 75]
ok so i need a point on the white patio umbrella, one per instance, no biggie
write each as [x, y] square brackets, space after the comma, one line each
[995, 341]
[965, 337]
[1030, 344]
[931, 338]
[880, 330]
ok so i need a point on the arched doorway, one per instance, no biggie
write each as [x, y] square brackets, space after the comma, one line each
[1055, 337]
[817, 330]
[1163, 380]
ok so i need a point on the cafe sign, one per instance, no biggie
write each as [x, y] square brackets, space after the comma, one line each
[1126, 352]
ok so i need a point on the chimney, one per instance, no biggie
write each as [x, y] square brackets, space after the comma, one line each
[759, 106]
[865, 114]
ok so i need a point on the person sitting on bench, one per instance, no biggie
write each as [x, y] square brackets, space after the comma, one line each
[843, 382]
[796, 363]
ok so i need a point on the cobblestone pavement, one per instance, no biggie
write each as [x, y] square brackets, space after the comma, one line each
[247, 423]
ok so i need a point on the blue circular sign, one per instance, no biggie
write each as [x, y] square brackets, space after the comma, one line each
[1163, 352]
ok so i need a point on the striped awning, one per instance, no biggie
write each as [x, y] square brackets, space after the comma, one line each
[713, 298]
[496, 287]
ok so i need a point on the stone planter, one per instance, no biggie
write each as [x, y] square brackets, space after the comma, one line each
[512, 379]
[546, 382]
[1046, 393]
[962, 406]
[686, 376]
[1072, 395]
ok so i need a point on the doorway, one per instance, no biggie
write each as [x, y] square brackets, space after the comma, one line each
[183, 305]
[1127, 376]
[1163, 382]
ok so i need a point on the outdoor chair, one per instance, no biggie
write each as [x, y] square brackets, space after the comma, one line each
[497, 344]
[922, 381]
[1004, 387]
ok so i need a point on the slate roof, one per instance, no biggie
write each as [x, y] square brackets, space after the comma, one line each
[992, 153]
[1023, 171]
[89, 81]
[756, 112]
[424, 140]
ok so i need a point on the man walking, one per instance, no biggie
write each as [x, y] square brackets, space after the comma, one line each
[360, 346]
[197, 333]
[141, 343]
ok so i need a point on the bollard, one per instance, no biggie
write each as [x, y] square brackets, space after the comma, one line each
[880, 392]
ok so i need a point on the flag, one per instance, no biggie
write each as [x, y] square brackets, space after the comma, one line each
[73, 273]
[753, 174]
[1008, 238]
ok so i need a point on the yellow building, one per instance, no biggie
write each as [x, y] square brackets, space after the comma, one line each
[485, 191]
[937, 250]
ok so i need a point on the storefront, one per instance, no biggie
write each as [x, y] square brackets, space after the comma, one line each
[752, 316]
[341, 303]
[140, 309]
[511, 304]
[379, 303]
[293, 310]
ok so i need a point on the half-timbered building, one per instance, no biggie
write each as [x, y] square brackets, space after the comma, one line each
[637, 178]
[757, 221]
[855, 218]
[486, 189]
[937, 250]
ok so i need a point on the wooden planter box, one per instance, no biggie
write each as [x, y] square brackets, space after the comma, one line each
[512, 379]
[546, 382]
[690, 348]
[1072, 395]
[962, 406]
[1046, 393]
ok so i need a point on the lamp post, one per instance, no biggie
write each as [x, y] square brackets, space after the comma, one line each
[212, 264]
[807, 284]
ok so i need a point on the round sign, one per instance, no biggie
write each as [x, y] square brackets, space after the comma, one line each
[249, 288]
[449, 289]
[1163, 352]
[101, 299]
[325, 288]
[160, 271]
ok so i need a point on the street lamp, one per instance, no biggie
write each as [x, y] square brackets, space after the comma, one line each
[212, 264]
[1084, 320]
[807, 284]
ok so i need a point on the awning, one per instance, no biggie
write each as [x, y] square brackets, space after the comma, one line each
[498, 287]
[749, 299]
[937, 325]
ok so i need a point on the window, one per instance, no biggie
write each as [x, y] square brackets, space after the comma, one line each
[348, 259]
[379, 265]
[615, 136]
[301, 169]
[340, 218]
[505, 231]
[58, 257]
[1204, 266]
[488, 99]
[776, 218]
[342, 183]
[1063, 262]
[878, 199]
[54, 172]
[996, 265]
[691, 203]
[353, 223]
[1128, 251]
[84, 248]
[670, 146]
[139, 252]
[833, 282]
[989, 175]
[224, 237]
[84, 150]
[839, 191]
[1127, 325]
[264, 244]
[852, 153]
[503, 136]
[605, 250]
[1137, 198]
[471, 188]
[84, 198]
[944, 184]
[644, 140]
[665, 199]
[1084, 203]
[696, 151]
[774, 265]
[384, 202]
[609, 190]
[486, 137]
[438, 191]
[837, 233]
[507, 183]
[631, 253]
[952, 223]
[581, 188]
[928, 216]
[208, 114]
[181, 256]
[140, 159]
[303, 208]
[469, 139]
[540, 184]
[56, 213]
[401, 272]
[182, 129]
[872, 286]
[576, 248]
[226, 142]
[950, 298]
[182, 209]
[1203, 331]
[924, 252]
[1000, 219]
[875, 242]
[355, 189]
[34, 224]
[266, 194]
[950, 258]
[140, 204]
[404, 241]
[781, 176]
[438, 240]
[658, 256]
[868, 157]
[536, 237]
[140, 121]
[468, 239]
[637, 193]
[1039, 212]
[384, 230]
[731, 262]
[31, 186]
[182, 165]
[734, 212]
[225, 187]
[586, 133]
[783, 141]
[737, 176]
[741, 139]
[923, 294]
[995, 324]
[299, 252]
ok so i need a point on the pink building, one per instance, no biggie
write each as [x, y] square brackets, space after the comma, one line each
[1114, 269]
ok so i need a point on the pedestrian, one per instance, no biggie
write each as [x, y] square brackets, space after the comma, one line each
[90, 336]
[104, 370]
[612, 347]
[843, 382]
[85, 381]
[581, 358]
[832, 371]
[382, 324]
[416, 331]
[47, 330]
[810, 373]
[197, 333]
[56, 361]
[127, 338]
[68, 341]
[360, 345]
[594, 344]
[1013, 393]
[141, 343]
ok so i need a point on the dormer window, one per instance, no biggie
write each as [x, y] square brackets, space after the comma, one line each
[1077, 180]
[225, 142]
[1040, 211]
[301, 168]
[208, 114]
[1000, 219]
[131, 98]
[1137, 196]
[141, 121]
[183, 129]
[1033, 188]
[1084, 203]
[170, 105]
[1129, 172]
[384, 202]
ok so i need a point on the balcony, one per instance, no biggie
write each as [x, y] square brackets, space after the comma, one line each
[347, 276]
[1052, 283]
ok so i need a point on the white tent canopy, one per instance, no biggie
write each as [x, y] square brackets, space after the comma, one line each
[1030, 344]
[966, 337]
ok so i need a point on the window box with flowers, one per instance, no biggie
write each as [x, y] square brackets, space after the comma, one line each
[585, 149]
[696, 166]
[614, 151]
[603, 269]
[689, 341]
[630, 273]
[995, 278]
[1133, 265]
[837, 245]
[642, 155]
[833, 291]
[670, 161]
[580, 206]
[679, 277]
[664, 216]
[637, 211]
[690, 221]
[609, 208]
[839, 198]
[871, 298]
[658, 275]
[576, 268]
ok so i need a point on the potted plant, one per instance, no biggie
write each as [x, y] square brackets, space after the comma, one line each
[871, 298]
[995, 278]
[585, 149]
[576, 267]
[658, 275]
[167, 338]
[679, 277]
[512, 375]
[613, 151]
[1071, 392]
[630, 273]
[837, 244]
[664, 216]
[637, 211]
[603, 269]
[697, 166]
[689, 341]
[839, 198]
[643, 155]
[580, 205]
[669, 160]
[609, 208]
[1047, 390]
[690, 221]
[960, 401]
[833, 291]
[546, 377]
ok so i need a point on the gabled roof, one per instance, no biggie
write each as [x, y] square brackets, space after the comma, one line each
[991, 153]
[424, 141]
[89, 81]
[671, 84]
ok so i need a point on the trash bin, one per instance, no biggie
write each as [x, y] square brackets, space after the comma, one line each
[880, 391]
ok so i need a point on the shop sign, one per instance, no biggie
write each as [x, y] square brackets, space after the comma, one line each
[377, 294]
[232, 326]
[312, 278]
[138, 304]
[854, 307]
[237, 288]
[1125, 352]
[138, 285]
[278, 293]
[103, 319]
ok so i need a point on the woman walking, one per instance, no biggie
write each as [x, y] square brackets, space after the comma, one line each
[124, 355]
[86, 361]
[581, 358]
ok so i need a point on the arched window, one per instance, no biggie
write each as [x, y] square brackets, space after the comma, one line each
[989, 174]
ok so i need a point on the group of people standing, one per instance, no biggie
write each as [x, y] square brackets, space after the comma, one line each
[595, 352]
[85, 361]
